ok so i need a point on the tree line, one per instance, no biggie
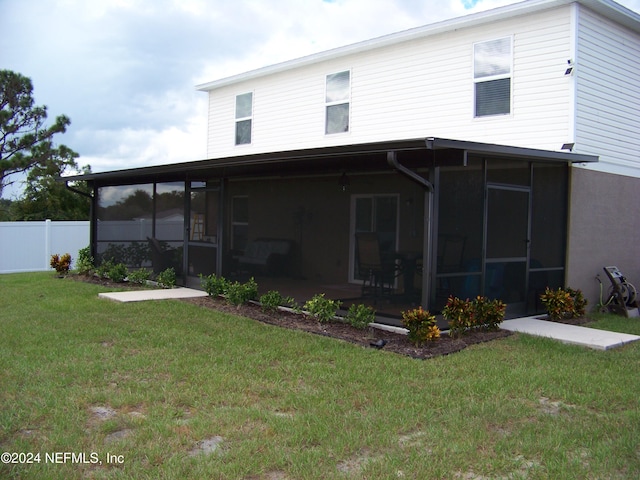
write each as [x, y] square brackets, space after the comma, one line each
[28, 154]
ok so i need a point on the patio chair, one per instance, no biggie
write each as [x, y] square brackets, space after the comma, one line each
[451, 253]
[378, 276]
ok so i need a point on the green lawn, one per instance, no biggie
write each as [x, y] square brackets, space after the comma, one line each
[136, 387]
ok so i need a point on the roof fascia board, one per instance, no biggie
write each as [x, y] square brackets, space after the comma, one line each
[255, 159]
[607, 8]
[508, 151]
[431, 143]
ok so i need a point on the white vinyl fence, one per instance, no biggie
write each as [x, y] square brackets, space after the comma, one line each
[28, 246]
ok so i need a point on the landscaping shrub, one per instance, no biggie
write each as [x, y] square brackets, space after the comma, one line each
[563, 303]
[84, 263]
[421, 325]
[579, 302]
[167, 278]
[464, 315]
[61, 264]
[240, 293]
[117, 272]
[139, 276]
[235, 293]
[102, 270]
[488, 314]
[360, 316]
[459, 314]
[214, 285]
[273, 299]
[322, 308]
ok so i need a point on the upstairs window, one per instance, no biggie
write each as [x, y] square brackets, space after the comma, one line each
[244, 116]
[492, 77]
[337, 96]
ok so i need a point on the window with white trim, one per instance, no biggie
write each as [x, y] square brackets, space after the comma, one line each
[244, 118]
[492, 77]
[337, 99]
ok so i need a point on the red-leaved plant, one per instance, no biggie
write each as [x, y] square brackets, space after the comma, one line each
[421, 325]
[481, 313]
[62, 264]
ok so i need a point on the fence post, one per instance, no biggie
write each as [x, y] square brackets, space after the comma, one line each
[47, 243]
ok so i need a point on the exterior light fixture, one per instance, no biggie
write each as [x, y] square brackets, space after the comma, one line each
[569, 70]
[567, 146]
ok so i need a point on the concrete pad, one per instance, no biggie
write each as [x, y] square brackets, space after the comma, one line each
[160, 294]
[572, 334]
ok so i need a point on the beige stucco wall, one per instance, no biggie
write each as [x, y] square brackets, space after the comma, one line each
[604, 229]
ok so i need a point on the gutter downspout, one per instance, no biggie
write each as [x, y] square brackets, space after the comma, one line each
[392, 160]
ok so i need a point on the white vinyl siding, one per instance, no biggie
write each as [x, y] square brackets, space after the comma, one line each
[608, 94]
[414, 89]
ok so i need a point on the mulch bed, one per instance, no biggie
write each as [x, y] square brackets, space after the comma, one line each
[105, 282]
[395, 342]
[568, 321]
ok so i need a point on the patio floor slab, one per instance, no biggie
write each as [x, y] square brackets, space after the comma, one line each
[572, 334]
[159, 294]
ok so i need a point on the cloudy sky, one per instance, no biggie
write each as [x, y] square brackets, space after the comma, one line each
[125, 71]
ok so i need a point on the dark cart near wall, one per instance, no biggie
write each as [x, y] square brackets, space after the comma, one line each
[163, 256]
[622, 294]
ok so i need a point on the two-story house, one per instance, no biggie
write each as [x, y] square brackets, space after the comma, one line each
[496, 153]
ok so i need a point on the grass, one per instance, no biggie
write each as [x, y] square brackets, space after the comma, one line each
[146, 382]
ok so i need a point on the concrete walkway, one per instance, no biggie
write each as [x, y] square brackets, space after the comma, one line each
[159, 294]
[572, 334]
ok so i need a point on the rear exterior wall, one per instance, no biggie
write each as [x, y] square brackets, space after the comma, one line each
[604, 229]
[420, 88]
[608, 94]
[604, 225]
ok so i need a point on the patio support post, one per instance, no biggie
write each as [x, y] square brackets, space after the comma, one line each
[186, 228]
[428, 210]
[222, 221]
[427, 248]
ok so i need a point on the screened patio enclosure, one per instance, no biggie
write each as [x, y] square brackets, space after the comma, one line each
[448, 217]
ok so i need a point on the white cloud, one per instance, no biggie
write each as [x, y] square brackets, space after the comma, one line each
[174, 143]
